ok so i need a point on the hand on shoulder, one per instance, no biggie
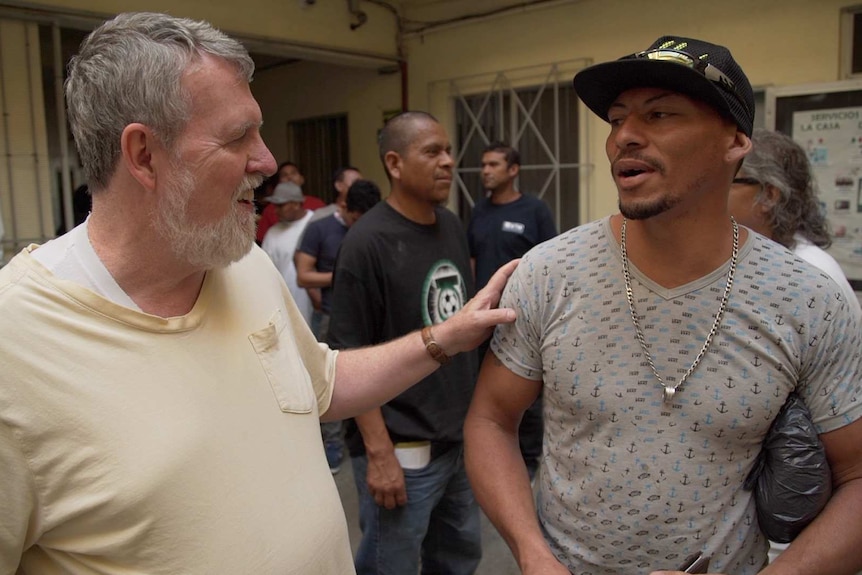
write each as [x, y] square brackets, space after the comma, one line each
[474, 323]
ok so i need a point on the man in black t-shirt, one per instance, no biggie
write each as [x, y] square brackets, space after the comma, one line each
[504, 226]
[405, 265]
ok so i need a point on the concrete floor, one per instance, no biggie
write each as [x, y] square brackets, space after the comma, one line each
[496, 557]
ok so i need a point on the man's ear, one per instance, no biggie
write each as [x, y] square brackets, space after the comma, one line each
[513, 170]
[739, 148]
[392, 161]
[137, 144]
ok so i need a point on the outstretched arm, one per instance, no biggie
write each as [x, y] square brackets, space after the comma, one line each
[369, 377]
[497, 470]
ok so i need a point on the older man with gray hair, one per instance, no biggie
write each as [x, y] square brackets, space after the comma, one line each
[160, 393]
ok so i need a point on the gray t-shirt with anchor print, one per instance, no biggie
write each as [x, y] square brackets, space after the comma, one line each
[629, 484]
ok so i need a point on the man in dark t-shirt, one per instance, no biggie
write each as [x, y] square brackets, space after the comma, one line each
[504, 226]
[404, 266]
[505, 223]
[316, 256]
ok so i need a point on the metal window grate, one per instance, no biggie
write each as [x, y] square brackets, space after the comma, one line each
[537, 113]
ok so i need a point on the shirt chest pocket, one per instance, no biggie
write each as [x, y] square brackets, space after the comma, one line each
[283, 366]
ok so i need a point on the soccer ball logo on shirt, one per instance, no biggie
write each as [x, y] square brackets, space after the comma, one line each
[444, 292]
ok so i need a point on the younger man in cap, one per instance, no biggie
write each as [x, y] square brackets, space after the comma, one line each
[665, 338]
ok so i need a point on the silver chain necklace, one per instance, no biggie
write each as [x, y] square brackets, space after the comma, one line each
[670, 390]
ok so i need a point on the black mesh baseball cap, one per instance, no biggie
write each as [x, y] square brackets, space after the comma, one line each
[698, 69]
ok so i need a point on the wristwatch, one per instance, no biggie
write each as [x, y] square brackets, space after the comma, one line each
[434, 349]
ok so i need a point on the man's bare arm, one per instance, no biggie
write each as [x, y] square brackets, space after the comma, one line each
[385, 477]
[306, 274]
[497, 470]
[832, 543]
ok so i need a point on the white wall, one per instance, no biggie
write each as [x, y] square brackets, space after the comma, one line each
[307, 90]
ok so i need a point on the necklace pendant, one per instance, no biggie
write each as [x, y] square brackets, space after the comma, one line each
[669, 392]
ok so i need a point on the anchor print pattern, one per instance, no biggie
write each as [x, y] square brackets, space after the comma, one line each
[629, 484]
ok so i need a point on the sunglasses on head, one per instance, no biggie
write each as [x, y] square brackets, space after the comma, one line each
[705, 69]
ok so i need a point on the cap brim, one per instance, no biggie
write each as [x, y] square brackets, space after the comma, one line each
[600, 85]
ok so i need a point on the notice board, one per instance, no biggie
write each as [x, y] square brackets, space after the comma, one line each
[826, 120]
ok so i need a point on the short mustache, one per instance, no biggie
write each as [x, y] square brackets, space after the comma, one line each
[249, 182]
[651, 162]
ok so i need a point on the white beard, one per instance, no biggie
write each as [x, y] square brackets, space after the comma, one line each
[204, 246]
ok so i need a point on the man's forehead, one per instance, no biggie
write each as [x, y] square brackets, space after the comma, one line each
[649, 94]
[218, 90]
[426, 127]
[203, 67]
[437, 137]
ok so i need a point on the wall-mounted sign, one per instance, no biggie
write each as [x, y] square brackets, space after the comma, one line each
[826, 120]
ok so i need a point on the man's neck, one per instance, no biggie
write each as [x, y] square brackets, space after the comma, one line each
[302, 215]
[673, 251]
[143, 265]
[421, 212]
[505, 195]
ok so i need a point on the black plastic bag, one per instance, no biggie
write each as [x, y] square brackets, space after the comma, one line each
[791, 477]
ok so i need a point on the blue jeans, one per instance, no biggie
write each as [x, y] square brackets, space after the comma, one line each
[331, 432]
[440, 523]
[320, 325]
